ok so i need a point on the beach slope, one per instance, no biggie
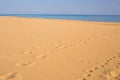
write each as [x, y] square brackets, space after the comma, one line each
[50, 49]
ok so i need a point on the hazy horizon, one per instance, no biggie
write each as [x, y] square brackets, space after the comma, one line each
[63, 14]
[79, 7]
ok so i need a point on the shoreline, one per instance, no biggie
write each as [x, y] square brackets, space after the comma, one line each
[60, 19]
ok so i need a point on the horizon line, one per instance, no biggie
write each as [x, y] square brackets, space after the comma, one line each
[61, 14]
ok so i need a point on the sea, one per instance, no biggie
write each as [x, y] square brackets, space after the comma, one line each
[97, 18]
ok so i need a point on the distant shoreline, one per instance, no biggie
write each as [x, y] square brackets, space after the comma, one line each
[93, 18]
[52, 19]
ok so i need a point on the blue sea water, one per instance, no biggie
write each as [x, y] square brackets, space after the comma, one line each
[100, 18]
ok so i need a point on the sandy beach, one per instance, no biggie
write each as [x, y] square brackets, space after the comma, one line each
[51, 49]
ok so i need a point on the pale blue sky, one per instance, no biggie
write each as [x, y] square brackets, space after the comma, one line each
[104, 7]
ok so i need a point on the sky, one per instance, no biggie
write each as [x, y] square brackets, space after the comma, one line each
[96, 7]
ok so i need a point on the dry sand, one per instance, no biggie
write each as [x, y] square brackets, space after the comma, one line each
[48, 49]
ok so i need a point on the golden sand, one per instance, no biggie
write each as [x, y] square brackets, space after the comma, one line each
[50, 49]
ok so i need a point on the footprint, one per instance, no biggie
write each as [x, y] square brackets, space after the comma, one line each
[27, 52]
[44, 56]
[82, 79]
[118, 63]
[114, 57]
[24, 64]
[118, 54]
[109, 75]
[102, 66]
[89, 38]
[106, 63]
[60, 45]
[41, 56]
[110, 58]
[88, 75]
[107, 60]
[113, 75]
[77, 39]
[95, 68]
[11, 76]
[91, 71]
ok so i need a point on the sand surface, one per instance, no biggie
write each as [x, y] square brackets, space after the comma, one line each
[49, 49]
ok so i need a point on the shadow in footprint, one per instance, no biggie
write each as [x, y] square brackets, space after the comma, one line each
[41, 56]
[11, 76]
[24, 64]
